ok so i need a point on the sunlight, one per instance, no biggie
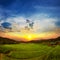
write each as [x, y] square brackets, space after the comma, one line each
[29, 37]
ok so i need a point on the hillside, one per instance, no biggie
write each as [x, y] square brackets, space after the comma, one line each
[42, 40]
[45, 41]
[7, 41]
[55, 41]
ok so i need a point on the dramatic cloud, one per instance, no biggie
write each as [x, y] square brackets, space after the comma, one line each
[44, 14]
[42, 22]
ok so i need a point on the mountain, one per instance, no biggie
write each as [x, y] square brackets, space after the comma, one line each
[7, 41]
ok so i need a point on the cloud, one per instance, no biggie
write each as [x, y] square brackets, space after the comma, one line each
[1, 22]
[43, 22]
[58, 23]
[18, 22]
[44, 15]
[10, 8]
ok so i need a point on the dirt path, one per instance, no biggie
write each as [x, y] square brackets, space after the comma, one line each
[1, 56]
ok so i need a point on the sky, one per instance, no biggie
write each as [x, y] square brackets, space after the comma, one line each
[45, 14]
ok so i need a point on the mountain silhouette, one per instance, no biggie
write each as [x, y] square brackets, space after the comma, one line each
[7, 41]
[45, 41]
[53, 41]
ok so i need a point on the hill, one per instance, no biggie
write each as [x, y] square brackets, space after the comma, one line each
[54, 41]
[44, 41]
[7, 41]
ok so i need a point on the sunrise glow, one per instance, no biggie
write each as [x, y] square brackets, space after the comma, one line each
[29, 36]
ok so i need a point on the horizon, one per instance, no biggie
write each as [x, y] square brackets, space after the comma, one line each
[29, 37]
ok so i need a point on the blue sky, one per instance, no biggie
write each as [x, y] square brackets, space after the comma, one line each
[42, 12]
[27, 7]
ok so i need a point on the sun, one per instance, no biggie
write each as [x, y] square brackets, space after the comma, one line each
[29, 37]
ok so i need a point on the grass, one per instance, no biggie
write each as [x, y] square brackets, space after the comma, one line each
[30, 51]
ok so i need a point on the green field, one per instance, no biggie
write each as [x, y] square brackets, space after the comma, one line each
[29, 51]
